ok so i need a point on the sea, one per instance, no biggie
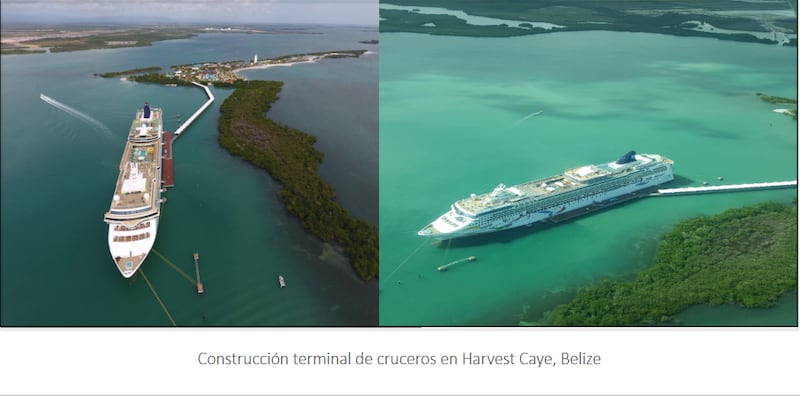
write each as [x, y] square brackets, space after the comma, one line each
[459, 115]
[60, 163]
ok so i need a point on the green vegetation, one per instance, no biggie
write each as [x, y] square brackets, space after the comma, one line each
[745, 256]
[328, 54]
[776, 99]
[17, 51]
[129, 71]
[290, 158]
[779, 100]
[158, 78]
[135, 37]
[574, 15]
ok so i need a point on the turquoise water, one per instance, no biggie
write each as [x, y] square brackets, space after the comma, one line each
[783, 314]
[456, 118]
[58, 173]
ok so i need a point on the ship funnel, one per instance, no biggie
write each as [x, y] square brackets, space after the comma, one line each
[628, 157]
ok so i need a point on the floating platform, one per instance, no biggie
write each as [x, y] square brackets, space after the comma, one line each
[452, 263]
[197, 273]
[167, 163]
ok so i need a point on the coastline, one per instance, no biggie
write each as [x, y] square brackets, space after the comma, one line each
[469, 19]
[304, 58]
[287, 64]
[289, 157]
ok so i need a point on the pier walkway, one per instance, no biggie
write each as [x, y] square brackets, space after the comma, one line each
[198, 112]
[167, 162]
[725, 188]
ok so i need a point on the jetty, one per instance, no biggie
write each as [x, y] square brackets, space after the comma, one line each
[660, 192]
[198, 112]
[724, 188]
[452, 263]
[167, 161]
[197, 273]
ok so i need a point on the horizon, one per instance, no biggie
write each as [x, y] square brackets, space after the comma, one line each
[189, 12]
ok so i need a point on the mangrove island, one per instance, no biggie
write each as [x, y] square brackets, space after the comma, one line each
[745, 256]
[747, 21]
[288, 155]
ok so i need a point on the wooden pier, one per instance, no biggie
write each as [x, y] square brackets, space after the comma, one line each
[167, 163]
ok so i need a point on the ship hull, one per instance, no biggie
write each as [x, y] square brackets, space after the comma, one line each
[136, 204]
[130, 247]
[453, 225]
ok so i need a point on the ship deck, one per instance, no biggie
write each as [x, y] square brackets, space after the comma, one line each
[533, 189]
[136, 190]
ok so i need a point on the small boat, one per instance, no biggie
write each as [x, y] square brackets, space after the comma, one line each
[281, 281]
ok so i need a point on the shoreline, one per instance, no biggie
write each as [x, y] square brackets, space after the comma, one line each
[286, 64]
[306, 58]
[289, 157]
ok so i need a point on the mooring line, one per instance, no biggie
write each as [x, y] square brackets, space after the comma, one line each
[407, 258]
[447, 250]
[157, 297]
[175, 267]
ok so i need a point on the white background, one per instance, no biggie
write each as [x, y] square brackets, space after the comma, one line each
[634, 361]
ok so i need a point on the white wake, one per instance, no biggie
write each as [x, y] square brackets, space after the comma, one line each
[75, 113]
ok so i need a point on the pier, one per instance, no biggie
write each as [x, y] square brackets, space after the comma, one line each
[601, 205]
[653, 192]
[167, 163]
[724, 188]
[197, 273]
[198, 112]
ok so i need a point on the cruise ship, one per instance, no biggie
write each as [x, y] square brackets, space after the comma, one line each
[559, 195]
[133, 216]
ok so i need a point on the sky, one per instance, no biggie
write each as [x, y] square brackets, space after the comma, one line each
[338, 12]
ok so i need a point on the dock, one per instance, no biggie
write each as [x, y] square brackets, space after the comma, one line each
[601, 205]
[197, 273]
[167, 163]
[198, 112]
[725, 188]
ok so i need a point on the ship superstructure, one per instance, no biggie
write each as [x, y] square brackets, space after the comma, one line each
[543, 199]
[135, 207]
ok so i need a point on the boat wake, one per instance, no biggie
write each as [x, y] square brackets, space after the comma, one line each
[535, 113]
[77, 114]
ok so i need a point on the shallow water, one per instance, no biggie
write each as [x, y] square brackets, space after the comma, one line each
[456, 119]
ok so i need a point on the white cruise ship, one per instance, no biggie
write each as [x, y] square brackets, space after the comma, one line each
[133, 216]
[544, 199]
